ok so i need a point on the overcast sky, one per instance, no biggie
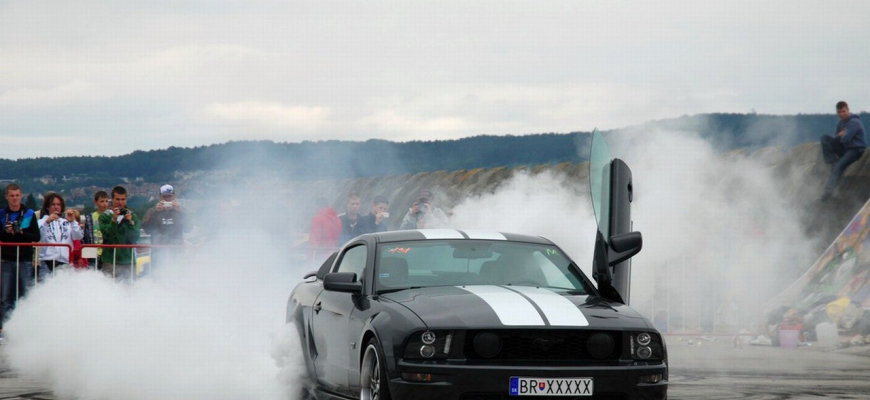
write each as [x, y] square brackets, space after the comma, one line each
[108, 77]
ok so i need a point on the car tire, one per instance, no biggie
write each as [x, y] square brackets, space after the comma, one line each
[373, 374]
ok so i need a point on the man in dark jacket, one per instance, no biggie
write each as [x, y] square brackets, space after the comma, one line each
[165, 223]
[376, 221]
[17, 261]
[844, 147]
[350, 219]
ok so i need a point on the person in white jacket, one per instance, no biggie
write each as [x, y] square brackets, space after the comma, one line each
[56, 225]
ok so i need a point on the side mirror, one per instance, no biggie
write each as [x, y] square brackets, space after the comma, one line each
[624, 246]
[621, 248]
[342, 282]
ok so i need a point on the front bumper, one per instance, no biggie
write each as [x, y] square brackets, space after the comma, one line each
[488, 382]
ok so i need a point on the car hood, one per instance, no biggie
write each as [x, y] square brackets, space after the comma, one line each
[484, 306]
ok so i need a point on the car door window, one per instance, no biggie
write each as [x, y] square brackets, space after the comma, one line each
[354, 260]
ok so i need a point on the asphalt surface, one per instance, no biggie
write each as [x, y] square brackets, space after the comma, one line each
[719, 370]
[712, 370]
[15, 387]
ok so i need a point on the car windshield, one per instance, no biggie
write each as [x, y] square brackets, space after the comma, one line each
[402, 265]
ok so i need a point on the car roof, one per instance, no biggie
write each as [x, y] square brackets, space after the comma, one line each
[457, 234]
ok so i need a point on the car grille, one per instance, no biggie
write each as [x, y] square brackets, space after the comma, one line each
[566, 344]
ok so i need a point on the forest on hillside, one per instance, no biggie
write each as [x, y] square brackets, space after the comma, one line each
[347, 159]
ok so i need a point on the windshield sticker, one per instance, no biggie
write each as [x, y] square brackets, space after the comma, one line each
[551, 252]
[400, 250]
[384, 275]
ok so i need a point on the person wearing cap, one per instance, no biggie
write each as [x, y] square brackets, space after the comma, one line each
[376, 221]
[165, 223]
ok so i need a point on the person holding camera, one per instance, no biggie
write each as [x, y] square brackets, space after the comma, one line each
[119, 226]
[20, 226]
[423, 214]
[56, 225]
[16, 275]
[376, 221]
[165, 223]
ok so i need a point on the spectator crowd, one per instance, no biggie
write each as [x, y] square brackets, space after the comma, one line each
[55, 238]
[35, 243]
[330, 230]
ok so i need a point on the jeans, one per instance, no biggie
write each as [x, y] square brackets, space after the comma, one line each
[46, 268]
[11, 288]
[840, 157]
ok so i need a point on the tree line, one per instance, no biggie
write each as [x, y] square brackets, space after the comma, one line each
[335, 159]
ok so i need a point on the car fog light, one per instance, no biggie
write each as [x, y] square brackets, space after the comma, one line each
[643, 339]
[644, 352]
[428, 337]
[654, 378]
[427, 351]
[416, 377]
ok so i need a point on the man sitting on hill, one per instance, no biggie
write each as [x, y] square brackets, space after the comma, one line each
[844, 147]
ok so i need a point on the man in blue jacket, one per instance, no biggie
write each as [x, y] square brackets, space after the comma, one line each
[19, 226]
[844, 147]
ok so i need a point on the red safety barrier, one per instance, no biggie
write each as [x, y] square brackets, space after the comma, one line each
[133, 262]
[34, 264]
[35, 260]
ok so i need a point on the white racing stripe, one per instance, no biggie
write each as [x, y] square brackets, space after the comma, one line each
[558, 310]
[484, 235]
[441, 234]
[510, 307]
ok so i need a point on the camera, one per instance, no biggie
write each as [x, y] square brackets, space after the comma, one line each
[124, 211]
[167, 204]
[16, 227]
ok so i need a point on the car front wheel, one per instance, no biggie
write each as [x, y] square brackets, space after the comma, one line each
[373, 377]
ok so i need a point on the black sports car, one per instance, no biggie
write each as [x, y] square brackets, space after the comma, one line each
[458, 314]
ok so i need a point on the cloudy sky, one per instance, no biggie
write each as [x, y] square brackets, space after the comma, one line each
[107, 77]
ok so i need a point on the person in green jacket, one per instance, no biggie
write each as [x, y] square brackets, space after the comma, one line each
[119, 226]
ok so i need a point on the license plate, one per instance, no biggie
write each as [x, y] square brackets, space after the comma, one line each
[550, 386]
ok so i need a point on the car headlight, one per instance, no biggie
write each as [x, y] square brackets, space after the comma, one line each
[429, 345]
[645, 346]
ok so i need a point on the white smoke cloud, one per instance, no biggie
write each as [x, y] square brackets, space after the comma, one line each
[547, 204]
[719, 236]
[213, 328]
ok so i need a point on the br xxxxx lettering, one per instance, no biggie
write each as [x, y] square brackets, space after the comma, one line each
[578, 387]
